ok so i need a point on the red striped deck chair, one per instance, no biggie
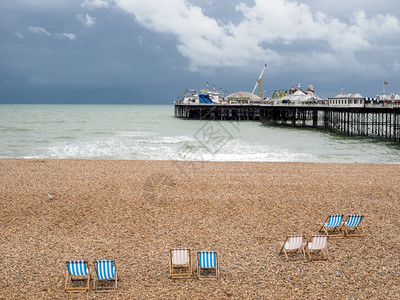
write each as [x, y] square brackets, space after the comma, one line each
[106, 278]
[352, 227]
[317, 248]
[207, 267]
[77, 276]
[293, 245]
[332, 226]
[180, 263]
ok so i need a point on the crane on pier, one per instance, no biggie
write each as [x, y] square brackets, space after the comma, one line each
[259, 82]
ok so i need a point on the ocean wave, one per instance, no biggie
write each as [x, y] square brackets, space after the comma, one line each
[169, 148]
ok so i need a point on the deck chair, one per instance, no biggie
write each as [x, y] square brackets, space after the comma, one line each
[317, 248]
[180, 263]
[77, 276]
[207, 267]
[106, 278]
[333, 226]
[352, 227]
[293, 245]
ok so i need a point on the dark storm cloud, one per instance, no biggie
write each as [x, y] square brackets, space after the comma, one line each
[131, 51]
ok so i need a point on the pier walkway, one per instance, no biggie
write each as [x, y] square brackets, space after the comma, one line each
[363, 120]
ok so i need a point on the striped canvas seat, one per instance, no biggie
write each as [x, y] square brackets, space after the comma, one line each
[180, 263]
[180, 256]
[353, 220]
[105, 269]
[334, 221]
[106, 276]
[77, 276]
[207, 259]
[318, 245]
[207, 267]
[293, 244]
[77, 268]
[318, 242]
[333, 226]
[352, 226]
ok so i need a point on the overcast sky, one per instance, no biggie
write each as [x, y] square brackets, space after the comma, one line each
[150, 51]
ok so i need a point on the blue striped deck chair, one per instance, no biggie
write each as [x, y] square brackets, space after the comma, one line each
[352, 227]
[207, 267]
[180, 263]
[77, 276]
[106, 278]
[333, 226]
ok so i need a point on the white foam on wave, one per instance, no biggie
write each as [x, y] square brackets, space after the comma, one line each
[173, 139]
[143, 137]
[275, 157]
[169, 148]
[235, 150]
[133, 133]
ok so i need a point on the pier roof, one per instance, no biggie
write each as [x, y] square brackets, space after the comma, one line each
[243, 96]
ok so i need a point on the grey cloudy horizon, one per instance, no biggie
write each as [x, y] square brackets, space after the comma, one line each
[149, 52]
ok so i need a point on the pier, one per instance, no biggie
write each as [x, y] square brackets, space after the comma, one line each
[366, 120]
[239, 112]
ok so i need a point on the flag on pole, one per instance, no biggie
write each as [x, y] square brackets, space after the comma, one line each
[385, 83]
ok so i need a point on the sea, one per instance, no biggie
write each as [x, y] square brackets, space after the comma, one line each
[151, 132]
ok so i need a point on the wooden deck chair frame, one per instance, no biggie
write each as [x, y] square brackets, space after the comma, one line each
[298, 250]
[335, 231]
[180, 264]
[70, 279]
[212, 273]
[353, 231]
[98, 283]
[319, 253]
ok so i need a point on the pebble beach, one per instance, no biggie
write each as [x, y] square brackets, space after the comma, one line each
[133, 212]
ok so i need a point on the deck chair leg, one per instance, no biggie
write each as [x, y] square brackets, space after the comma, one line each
[66, 281]
[287, 256]
[303, 253]
[88, 283]
[326, 254]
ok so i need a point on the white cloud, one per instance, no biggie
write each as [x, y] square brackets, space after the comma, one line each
[19, 35]
[86, 19]
[39, 30]
[206, 42]
[201, 39]
[95, 3]
[66, 36]
[42, 31]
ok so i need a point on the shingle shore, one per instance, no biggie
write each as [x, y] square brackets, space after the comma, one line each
[135, 211]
